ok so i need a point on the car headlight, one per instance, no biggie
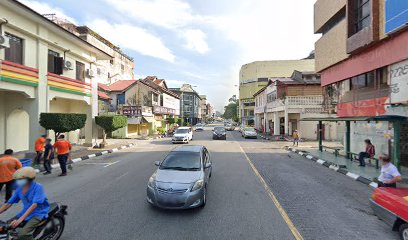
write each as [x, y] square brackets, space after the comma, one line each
[152, 181]
[198, 185]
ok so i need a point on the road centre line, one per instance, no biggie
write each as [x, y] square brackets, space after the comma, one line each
[281, 210]
[110, 164]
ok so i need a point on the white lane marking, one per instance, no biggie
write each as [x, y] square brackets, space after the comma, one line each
[352, 175]
[110, 164]
[121, 176]
[320, 161]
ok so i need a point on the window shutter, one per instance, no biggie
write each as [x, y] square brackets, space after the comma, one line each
[58, 65]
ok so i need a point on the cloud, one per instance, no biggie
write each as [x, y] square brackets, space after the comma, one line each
[44, 8]
[174, 83]
[133, 38]
[170, 14]
[195, 40]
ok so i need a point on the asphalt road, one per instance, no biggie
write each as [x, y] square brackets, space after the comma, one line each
[107, 197]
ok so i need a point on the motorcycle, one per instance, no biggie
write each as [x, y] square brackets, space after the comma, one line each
[49, 229]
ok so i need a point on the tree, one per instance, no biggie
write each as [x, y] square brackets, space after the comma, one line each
[62, 122]
[110, 123]
[231, 110]
[171, 120]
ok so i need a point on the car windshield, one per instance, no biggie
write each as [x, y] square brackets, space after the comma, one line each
[249, 129]
[182, 161]
[219, 129]
[182, 131]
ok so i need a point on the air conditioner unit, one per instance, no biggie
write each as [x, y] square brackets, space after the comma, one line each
[90, 73]
[4, 41]
[68, 65]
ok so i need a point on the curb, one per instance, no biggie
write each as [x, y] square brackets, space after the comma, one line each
[334, 167]
[263, 137]
[97, 154]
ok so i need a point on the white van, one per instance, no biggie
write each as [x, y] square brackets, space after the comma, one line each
[182, 135]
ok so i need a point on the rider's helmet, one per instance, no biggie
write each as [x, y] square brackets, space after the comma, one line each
[28, 173]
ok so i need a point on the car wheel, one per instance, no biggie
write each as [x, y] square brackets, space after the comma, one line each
[403, 231]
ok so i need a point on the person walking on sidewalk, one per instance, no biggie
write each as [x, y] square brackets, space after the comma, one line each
[39, 149]
[63, 148]
[8, 166]
[369, 152]
[296, 137]
[48, 156]
[389, 173]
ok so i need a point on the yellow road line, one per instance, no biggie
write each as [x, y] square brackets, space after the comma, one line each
[281, 210]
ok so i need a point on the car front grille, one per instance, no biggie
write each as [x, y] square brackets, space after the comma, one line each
[171, 191]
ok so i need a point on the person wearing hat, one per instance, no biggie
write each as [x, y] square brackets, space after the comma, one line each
[39, 148]
[63, 148]
[35, 203]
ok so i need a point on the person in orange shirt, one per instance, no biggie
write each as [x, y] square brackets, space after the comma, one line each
[63, 148]
[8, 166]
[39, 148]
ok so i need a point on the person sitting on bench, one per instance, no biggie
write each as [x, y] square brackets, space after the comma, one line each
[389, 173]
[369, 152]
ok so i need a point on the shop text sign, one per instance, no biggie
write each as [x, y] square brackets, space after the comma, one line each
[399, 82]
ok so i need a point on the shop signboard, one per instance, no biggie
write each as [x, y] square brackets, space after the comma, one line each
[399, 82]
[396, 15]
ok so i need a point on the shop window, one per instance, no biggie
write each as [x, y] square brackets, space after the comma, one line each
[362, 15]
[15, 52]
[55, 62]
[155, 98]
[80, 71]
[366, 80]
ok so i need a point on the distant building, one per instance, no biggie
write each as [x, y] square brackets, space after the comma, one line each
[203, 108]
[254, 76]
[189, 103]
[281, 105]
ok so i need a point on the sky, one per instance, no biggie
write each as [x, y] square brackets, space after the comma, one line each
[201, 42]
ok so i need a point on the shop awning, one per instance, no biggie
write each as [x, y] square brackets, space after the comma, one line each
[149, 119]
[366, 119]
[135, 120]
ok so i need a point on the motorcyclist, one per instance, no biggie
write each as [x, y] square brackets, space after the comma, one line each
[35, 203]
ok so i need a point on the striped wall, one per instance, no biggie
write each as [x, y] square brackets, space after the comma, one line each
[68, 85]
[19, 74]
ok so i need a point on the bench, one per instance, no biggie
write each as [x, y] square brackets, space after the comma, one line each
[335, 149]
[355, 156]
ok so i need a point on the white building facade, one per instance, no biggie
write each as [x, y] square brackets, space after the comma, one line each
[44, 68]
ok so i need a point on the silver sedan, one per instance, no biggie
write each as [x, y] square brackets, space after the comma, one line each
[181, 179]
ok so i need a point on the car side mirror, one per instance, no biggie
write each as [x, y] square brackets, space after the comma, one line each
[207, 165]
[157, 163]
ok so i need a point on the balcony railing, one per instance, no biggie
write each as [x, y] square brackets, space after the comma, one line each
[296, 101]
[68, 85]
[18, 74]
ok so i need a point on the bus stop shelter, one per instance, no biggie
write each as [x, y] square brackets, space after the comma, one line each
[396, 121]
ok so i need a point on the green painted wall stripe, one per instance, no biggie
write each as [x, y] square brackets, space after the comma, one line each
[17, 81]
[69, 91]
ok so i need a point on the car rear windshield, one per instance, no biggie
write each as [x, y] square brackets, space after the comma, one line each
[250, 129]
[219, 129]
[182, 131]
[182, 161]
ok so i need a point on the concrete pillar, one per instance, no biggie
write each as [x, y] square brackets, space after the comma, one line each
[266, 128]
[286, 123]
[276, 123]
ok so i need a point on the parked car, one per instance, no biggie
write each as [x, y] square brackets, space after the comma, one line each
[391, 205]
[230, 127]
[249, 132]
[182, 135]
[219, 133]
[181, 179]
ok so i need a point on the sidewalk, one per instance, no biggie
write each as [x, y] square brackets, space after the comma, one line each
[366, 175]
